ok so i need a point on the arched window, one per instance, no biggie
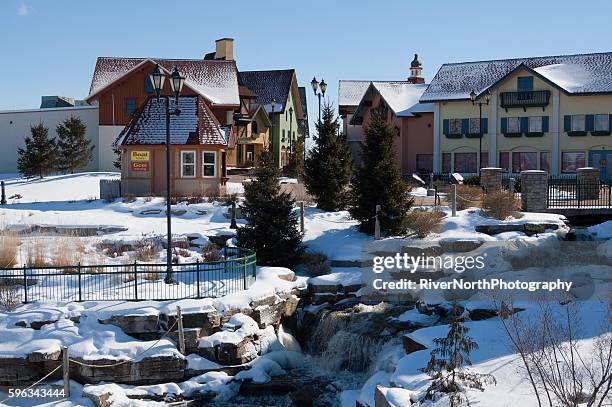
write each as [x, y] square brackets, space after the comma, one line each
[254, 127]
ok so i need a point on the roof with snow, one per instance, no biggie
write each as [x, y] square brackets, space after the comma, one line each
[402, 98]
[351, 92]
[195, 125]
[269, 85]
[574, 74]
[216, 80]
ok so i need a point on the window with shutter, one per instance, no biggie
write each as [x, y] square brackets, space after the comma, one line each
[474, 126]
[535, 124]
[578, 122]
[454, 126]
[602, 123]
[514, 125]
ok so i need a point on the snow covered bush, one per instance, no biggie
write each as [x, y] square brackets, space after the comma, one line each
[422, 223]
[468, 196]
[501, 204]
[9, 242]
[147, 248]
[9, 296]
[211, 252]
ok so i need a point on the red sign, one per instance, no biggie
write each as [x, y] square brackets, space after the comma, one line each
[140, 166]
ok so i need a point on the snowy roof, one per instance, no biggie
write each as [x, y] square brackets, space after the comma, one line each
[402, 97]
[583, 73]
[216, 80]
[195, 125]
[351, 92]
[269, 85]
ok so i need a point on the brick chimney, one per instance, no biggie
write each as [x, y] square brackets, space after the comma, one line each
[224, 49]
[415, 71]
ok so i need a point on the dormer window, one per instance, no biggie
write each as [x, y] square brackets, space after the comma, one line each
[524, 84]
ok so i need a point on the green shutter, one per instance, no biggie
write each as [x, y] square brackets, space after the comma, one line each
[445, 126]
[484, 125]
[504, 125]
[465, 126]
[589, 123]
[524, 124]
[567, 123]
[545, 124]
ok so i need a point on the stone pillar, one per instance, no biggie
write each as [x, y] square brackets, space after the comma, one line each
[491, 179]
[534, 190]
[587, 180]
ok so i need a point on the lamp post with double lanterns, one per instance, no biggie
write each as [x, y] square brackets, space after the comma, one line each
[480, 100]
[158, 77]
[315, 85]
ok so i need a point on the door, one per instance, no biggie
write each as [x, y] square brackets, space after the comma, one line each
[602, 159]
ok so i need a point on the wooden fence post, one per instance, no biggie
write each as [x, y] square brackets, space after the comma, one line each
[3, 196]
[454, 199]
[302, 216]
[181, 334]
[66, 371]
[377, 224]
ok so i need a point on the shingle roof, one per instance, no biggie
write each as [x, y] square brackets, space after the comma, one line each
[583, 73]
[401, 96]
[269, 85]
[351, 92]
[195, 125]
[215, 80]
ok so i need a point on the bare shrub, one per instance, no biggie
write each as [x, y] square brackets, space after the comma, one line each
[9, 244]
[316, 263]
[211, 252]
[212, 195]
[115, 248]
[422, 223]
[9, 296]
[68, 252]
[146, 249]
[501, 204]
[36, 252]
[468, 196]
[129, 198]
[181, 252]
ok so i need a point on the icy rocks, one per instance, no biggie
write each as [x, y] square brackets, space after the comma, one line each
[410, 345]
[528, 228]
[134, 324]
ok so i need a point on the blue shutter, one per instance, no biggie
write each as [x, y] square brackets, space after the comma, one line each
[504, 125]
[465, 126]
[610, 121]
[567, 123]
[545, 124]
[445, 126]
[589, 122]
[484, 125]
[524, 124]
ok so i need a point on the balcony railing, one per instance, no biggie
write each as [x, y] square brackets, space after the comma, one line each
[532, 98]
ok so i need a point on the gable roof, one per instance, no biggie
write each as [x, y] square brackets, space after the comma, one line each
[269, 85]
[195, 125]
[402, 97]
[574, 74]
[216, 80]
[350, 92]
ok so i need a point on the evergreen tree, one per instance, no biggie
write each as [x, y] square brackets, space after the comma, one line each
[39, 158]
[378, 182]
[272, 229]
[295, 167]
[117, 160]
[447, 361]
[74, 148]
[328, 166]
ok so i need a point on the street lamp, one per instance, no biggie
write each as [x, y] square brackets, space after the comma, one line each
[486, 96]
[158, 78]
[315, 85]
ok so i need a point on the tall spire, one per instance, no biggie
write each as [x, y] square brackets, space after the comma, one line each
[415, 71]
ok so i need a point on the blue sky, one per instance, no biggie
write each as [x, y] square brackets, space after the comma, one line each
[50, 47]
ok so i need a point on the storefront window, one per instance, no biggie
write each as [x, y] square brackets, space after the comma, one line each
[446, 162]
[545, 161]
[570, 161]
[466, 162]
[524, 161]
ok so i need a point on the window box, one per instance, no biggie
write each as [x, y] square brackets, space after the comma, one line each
[513, 134]
[576, 133]
[454, 135]
[600, 133]
[535, 134]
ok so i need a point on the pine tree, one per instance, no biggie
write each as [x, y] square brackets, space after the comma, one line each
[74, 148]
[272, 229]
[295, 168]
[378, 182]
[447, 363]
[39, 158]
[328, 165]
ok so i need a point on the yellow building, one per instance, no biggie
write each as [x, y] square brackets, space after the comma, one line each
[548, 113]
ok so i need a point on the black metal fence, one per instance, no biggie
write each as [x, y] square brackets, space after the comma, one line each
[133, 282]
[568, 192]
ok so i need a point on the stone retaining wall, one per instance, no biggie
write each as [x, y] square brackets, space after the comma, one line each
[534, 190]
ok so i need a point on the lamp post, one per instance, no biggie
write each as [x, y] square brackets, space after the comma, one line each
[315, 85]
[158, 78]
[486, 96]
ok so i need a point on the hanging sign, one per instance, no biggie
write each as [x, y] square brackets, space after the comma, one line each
[140, 156]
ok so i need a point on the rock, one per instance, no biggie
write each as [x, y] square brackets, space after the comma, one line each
[99, 400]
[177, 212]
[287, 275]
[527, 228]
[460, 245]
[154, 369]
[16, 371]
[321, 298]
[480, 314]
[236, 354]
[191, 339]
[266, 315]
[291, 305]
[40, 356]
[151, 212]
[134, 324]
[208, 321]
[410, 345]
[324, 288]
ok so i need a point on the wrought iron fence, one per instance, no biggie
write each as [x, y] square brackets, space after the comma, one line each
[133, 282]
[568, 192]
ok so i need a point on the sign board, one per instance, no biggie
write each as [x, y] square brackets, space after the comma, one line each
[140, 156]
[140, 166]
